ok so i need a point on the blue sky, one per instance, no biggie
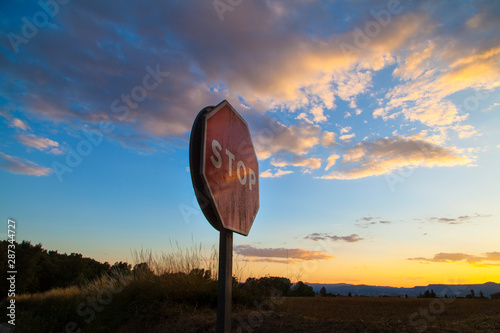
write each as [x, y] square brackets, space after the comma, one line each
[375, 125]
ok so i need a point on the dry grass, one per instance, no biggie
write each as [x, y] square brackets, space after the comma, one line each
[69, 292]
[184, 260]
[178, 260]
[175, 290]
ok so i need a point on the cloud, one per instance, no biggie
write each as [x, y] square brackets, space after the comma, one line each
[351, 84]
[18, 123]
[262, 70]
[296, 140]
[19, 166]
[278, 254]
[318, 115]
[491, 107]
[368, 218]
[368, 221]
[303, 116]
[354, 154]
[42, 144]
[331, 161]
[494, 256]
[328, 139]
[486, 259]
[346, 129]
[457, 220]
[100, 59]
[307, 163]
[269, 174]
[311, 163]
[385, 155]
[324, 236]
[439, 63]
[465, 131]
[347, 137]
[271, 260]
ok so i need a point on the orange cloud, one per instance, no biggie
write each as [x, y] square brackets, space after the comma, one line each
[310, 163]
[269, 174]
[462, 257]
[331, 161]
[280, 253]
[328, 139]
[434, 71]
[385, 155]
[297, 140]
[317, 69]
[347, 137]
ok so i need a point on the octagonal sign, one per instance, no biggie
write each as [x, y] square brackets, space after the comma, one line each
[224, 168]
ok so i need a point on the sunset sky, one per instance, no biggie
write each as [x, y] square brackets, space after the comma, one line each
[375, 124]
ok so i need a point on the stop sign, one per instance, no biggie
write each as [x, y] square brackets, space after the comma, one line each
[224, 168]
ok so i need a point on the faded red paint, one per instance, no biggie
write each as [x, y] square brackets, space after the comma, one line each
[230, 168]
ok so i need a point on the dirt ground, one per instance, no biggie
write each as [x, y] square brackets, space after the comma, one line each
[373, 314]
[347, 315]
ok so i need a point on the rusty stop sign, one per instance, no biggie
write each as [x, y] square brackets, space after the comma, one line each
[225, 175]
[224, 168]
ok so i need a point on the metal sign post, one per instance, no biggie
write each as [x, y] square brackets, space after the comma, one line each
[225, 174]
[225, 287]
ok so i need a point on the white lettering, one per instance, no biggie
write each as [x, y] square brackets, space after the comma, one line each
[251, 178]
[240, 166]
[216, 148]
[231, 159]
[245, 175]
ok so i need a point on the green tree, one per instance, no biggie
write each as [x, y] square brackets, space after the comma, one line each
[322, 291]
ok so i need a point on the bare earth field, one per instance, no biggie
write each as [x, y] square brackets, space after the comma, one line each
[375, 314]
[349, 314]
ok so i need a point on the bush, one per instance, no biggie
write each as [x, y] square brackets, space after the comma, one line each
[268, 286]
[300, 289]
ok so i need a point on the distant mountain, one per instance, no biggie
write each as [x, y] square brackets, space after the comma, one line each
[459, 290]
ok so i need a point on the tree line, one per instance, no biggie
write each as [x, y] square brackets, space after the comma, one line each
[41, 270]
